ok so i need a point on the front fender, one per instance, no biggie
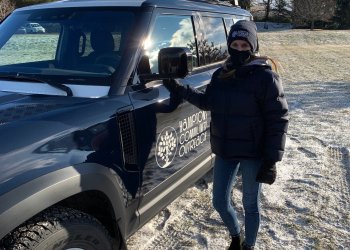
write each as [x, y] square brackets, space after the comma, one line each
[25, 201]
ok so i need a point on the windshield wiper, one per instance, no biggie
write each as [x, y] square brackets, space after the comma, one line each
[20, 77]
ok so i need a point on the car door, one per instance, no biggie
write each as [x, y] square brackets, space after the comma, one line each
[172, 135]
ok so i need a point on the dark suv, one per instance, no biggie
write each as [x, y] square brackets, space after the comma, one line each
[92, 144]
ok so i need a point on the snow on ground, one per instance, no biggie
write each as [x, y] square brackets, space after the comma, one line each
[308, 207]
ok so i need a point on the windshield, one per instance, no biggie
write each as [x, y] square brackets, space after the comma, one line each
[67, 45]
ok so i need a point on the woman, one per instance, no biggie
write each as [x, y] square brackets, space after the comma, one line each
[249, 119]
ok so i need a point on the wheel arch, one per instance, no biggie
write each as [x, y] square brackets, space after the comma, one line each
[97, 204]
[65, 186]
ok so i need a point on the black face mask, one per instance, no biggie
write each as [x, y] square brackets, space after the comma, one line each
[238, 58]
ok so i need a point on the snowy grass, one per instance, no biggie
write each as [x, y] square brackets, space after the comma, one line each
[23, 48]
[308, 207]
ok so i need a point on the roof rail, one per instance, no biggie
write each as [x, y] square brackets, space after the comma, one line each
[218, 2]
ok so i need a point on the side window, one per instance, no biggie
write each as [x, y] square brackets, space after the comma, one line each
[211, 40]
[228, 24]
[170, 31]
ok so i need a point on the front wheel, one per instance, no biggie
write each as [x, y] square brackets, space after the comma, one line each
[59, 228]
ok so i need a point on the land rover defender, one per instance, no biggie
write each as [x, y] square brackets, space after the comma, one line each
[92, 145]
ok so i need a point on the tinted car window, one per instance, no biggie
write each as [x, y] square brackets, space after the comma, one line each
[170, 31]
[211, 39]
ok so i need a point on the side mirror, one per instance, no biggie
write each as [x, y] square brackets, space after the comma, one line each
[174, 62]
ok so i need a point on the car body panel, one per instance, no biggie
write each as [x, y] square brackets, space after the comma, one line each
[49, 129]
[56, 134]
[179, 4]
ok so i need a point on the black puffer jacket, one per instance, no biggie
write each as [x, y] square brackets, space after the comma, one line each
[249, 113]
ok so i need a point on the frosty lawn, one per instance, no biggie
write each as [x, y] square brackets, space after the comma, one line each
[23, 48]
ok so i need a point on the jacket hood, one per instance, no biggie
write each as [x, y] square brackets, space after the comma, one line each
[252, 66]
[258, 62]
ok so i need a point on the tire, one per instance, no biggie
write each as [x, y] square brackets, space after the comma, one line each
[59, 228]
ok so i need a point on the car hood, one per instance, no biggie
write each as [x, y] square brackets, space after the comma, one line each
[14, 107]
[41, 134]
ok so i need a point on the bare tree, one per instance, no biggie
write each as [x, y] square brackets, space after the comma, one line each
[245, 4]
[282, 10]
[314, 10]
[208, 52]
[267, 4]
[6, 6]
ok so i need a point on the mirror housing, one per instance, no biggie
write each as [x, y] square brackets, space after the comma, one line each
[174, 62]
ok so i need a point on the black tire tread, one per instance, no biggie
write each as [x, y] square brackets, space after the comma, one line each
[32, 232]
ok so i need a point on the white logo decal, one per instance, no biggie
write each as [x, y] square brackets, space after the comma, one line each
[192, 132]
[166, 147]
[240, 33]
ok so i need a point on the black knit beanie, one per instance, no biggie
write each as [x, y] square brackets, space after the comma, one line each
[244, 30]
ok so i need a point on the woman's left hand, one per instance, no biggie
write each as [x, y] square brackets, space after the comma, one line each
[172, 85]
[267, 173]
